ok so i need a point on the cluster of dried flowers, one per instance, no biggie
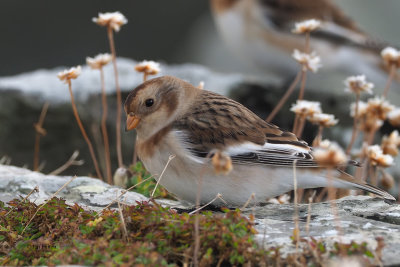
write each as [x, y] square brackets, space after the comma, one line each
[369, 115]
[113, 21]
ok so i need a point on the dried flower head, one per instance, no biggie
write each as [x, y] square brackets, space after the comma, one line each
[121, 177]
[306, 26]
[114, 20]
[310, 62]
[306, 108]
[323, 119]
[391, 56]
[98, 61]
[72, 73]
[362, 109]
[394, 117]
[358, 84]
[222, 163]
[329, 154]
[377, 158]
[391, 143]
[148, 67]
[378, 107]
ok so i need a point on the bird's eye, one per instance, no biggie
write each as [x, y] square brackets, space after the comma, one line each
[149, 102]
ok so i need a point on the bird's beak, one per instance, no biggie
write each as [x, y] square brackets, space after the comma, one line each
[131, 122]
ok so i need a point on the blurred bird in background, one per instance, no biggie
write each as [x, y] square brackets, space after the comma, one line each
[260, 31]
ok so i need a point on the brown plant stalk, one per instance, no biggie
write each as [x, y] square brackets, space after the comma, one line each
[119, 98]
[104, 128]
[392, 73]
[84, 134]
[285, 97]
[39, 132]
[354, 133]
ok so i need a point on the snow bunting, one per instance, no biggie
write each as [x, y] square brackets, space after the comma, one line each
[172, 117]
[264, 33]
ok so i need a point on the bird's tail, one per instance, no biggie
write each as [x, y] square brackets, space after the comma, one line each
[359, 184]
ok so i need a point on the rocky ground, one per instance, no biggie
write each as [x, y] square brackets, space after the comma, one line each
[361, 218]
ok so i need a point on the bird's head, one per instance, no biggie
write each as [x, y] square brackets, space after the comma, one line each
[154, 104]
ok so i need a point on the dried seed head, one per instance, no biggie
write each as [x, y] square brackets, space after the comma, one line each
[72, 73]
[391, 56]
[377, 158]
[358, 84]
[121, 176]
[378, 107]
[394, 117]
[323, 119]
[329, 154]
[391, 143]
[306, 26]
[98, 61]
[310, 62]
[222, 163]
[148, 67]
[306, 108]
[114, 20]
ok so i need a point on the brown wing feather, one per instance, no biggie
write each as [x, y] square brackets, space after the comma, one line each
[216, 121]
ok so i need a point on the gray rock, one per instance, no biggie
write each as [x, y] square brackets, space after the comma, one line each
[361, 218]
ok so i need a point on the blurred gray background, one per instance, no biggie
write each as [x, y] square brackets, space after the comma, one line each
[45, 33]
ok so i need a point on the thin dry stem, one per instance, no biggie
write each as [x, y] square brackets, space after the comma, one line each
[36, 189]
[392, 73]
[318, 137]
[218, 196]
[70, 162]
[303, 83]
[354, 133]
[104, 128]
[252, 196]
[39, 132]
[121, 215]
[123, 193]
[85, 136]
[47, 201]
[307, 43]
[285, 97]
[171, 157]
[300, 128]
[119, 98]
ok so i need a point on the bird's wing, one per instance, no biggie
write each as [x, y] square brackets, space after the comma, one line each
[336, 28]
[218, 123]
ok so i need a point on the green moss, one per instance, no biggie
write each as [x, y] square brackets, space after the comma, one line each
[156, 236]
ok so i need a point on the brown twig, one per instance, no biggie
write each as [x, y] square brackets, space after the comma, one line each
[355, 127]
[36, 189]
[310, 201]
[125, 232]
[302, 83]
[218, 196]
[39, 132]
[392, 73]
[47, 201]
[318, 137]
[285, 97]
[104, 128]
[296, 231]
[70, 162]
[123, 193]
[119, 98]
[171, 157]
[83, 131]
